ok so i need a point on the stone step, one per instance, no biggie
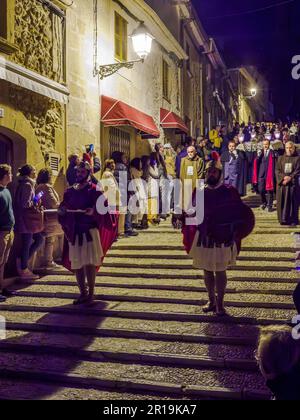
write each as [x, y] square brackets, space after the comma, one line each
[182, 264]
[164, 239]
[259, 230]
[159, 296]
[164, 275]
[180, 256]
[130, 377]
[285, 289]
[86, 348]
[35, 390]
[131, 246]
[169, 273]
[152, 311]
[74, 322]
[187, 265]
[187, 275]
[187, 330]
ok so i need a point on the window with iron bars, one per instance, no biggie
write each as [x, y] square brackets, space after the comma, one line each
[119, 141]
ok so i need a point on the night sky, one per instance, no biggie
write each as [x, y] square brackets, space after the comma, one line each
[267, 39]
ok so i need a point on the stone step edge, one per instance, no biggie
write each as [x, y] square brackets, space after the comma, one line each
[151, 316]
[250, 340]
[132, 386]
[258, 231]
[153, 358]
[158, 247]
[158, 276]
[190, 267]
[188, 258]
[145, 299]
[237, 290]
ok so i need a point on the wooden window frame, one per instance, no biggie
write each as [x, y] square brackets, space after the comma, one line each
[7, 24]
[121, 38]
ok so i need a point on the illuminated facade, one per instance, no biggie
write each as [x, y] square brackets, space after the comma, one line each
[33, 94]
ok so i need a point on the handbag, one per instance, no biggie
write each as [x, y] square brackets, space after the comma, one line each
[34, 219]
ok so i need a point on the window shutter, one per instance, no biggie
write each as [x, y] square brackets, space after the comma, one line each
[124, 40]
[120, 38]
[3, 18]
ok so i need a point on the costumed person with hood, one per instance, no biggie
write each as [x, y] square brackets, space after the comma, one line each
[235, 168]
[288, 191]
[214, 245]
[264, 176]
[88, 234]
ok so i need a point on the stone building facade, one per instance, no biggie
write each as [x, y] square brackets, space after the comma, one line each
[206, 87]
[140, 87]
[32, 90]
[259, 107]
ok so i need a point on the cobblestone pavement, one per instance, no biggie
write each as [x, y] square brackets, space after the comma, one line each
[147, 337]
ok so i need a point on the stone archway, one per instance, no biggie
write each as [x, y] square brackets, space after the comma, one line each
[12, 149]
[6, 150]
[13, 152]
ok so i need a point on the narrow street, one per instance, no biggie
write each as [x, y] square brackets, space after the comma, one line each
[147, 337]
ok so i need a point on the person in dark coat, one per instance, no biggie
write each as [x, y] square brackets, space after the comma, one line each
[278, 356]
[235, 168]
[288, 192]
[74, 161]
[202, 149]
[264, 176]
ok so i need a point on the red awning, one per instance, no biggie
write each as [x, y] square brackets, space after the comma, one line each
[117, 113]
[170, 120]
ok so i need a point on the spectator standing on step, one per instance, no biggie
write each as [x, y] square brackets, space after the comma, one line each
[74, 161]
[278, 356]
[50, 201]
[7, 222]
[29, 220]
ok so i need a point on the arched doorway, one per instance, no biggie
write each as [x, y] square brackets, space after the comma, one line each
[12, 149]
[12, 152]
[6, 150]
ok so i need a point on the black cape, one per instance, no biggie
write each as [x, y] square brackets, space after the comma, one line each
[288, 196]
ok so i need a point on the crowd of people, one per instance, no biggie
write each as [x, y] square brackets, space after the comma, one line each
[139, 193]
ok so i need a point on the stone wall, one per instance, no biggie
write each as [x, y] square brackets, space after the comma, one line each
[83, 110]
[38, 35]
[141, 87]
[38, 120]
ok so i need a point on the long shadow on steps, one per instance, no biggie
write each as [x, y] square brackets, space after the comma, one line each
[11, 367]
[253, 387]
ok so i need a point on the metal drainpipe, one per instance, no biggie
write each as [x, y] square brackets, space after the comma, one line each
[201, 99]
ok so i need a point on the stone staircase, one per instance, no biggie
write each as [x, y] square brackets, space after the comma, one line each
[147, 338]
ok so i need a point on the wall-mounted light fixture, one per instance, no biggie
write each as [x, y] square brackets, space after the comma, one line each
[142, 45]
